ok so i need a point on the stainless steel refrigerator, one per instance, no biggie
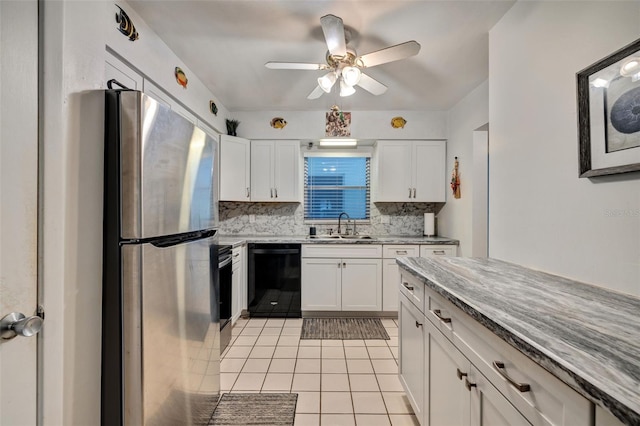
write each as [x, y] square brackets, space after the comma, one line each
[161, 353]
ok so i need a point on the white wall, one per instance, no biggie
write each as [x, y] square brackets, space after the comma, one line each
[455, 217]
[74, 36]
[541, 214]
[364, 125]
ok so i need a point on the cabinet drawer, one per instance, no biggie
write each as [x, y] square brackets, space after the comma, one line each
[359, 251]
[432, 250]
[391, 252]
[547, 401]
[412, 289]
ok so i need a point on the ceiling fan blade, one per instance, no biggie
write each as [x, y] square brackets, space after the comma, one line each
[389, 54]
[333, 30]
[371, 85]
[295, 66]
[317, 92]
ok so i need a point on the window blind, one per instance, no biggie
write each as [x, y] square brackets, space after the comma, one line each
[333, 185]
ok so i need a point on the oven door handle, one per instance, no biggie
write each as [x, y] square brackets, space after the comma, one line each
[225, 262]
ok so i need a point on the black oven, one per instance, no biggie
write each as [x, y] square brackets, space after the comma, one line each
[224, 266]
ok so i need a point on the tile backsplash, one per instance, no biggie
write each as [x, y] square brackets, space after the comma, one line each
[288, 219]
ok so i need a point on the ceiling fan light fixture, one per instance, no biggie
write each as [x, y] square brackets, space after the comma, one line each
[351, 75]
[345, 89]
[327, 81]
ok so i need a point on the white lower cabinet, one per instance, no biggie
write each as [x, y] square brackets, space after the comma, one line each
[448, 370]
[237, 284]
[361, 284]
[412, 348]
[438, 250]
[351, 282]
[321, 285]
[390, 274]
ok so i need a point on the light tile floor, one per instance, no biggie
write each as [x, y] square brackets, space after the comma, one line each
[338, 382]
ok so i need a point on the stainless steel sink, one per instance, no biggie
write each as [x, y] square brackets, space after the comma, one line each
[341, 237]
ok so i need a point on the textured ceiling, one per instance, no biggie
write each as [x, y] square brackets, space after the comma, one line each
[226, 43]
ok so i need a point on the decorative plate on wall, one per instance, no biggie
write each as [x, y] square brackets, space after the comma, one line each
[398, 122]
[278, 122]
[181, 77]
[126, 27]
[213, 108]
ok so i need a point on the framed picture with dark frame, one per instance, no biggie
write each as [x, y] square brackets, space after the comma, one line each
[609, 114]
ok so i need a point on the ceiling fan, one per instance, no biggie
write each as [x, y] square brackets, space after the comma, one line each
[343, 63]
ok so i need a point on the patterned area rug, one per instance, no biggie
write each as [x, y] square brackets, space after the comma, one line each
[343, 328]
[255, 409]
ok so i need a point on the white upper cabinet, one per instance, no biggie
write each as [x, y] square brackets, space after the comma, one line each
[235, 169]
[411, 171]
[275, 171]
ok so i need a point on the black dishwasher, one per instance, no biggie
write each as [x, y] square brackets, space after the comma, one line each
[274, 280]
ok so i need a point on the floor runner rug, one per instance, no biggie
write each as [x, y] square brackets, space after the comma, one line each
[253, 409]
[343, 328]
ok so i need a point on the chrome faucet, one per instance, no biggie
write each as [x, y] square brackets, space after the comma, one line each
[339, 220]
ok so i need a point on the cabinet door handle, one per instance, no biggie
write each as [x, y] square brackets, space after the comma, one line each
[407, 286]
[414, 193]
[460, 374]
[248, 192]
[438, 313]
[418, 324]
[339, 265]
[236, 255]
[402, 252]
[409, 192]
[469, 385]
[522, 387]
[271, 189]
[344, 264]
[276, 191]
[439, 252]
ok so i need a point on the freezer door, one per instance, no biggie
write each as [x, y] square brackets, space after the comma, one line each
[171, 333]
[167, 171]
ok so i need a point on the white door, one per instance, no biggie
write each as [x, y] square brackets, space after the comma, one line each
[321, 285]
[286, 173]
[428, 164]
[361, 284]
[394, 171]
[262, 170]
[235, 160]
[19, 206]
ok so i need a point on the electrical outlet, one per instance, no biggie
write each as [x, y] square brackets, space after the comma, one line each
[385, 219]
[252, 218]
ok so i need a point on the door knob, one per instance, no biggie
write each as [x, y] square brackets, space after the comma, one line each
[16, 324]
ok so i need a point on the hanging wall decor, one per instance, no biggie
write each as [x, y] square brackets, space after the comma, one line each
[213, 108]
[181, 77]
[455, 180]
[338, 123]
[609, 114]
[398, 122]
[278, 123]
[125, 26]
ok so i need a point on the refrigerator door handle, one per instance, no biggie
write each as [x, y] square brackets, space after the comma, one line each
[182, 238]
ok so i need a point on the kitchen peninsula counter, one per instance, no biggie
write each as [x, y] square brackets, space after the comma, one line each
[586, 336]
[305, 239]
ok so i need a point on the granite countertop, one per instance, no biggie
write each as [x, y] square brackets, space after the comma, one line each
[587, 336]
[236, 240]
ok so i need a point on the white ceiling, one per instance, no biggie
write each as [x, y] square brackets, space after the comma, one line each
[227, 42]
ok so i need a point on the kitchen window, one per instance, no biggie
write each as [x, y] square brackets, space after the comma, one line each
[334, 184]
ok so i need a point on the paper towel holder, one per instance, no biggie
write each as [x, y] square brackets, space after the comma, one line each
[429, 225]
